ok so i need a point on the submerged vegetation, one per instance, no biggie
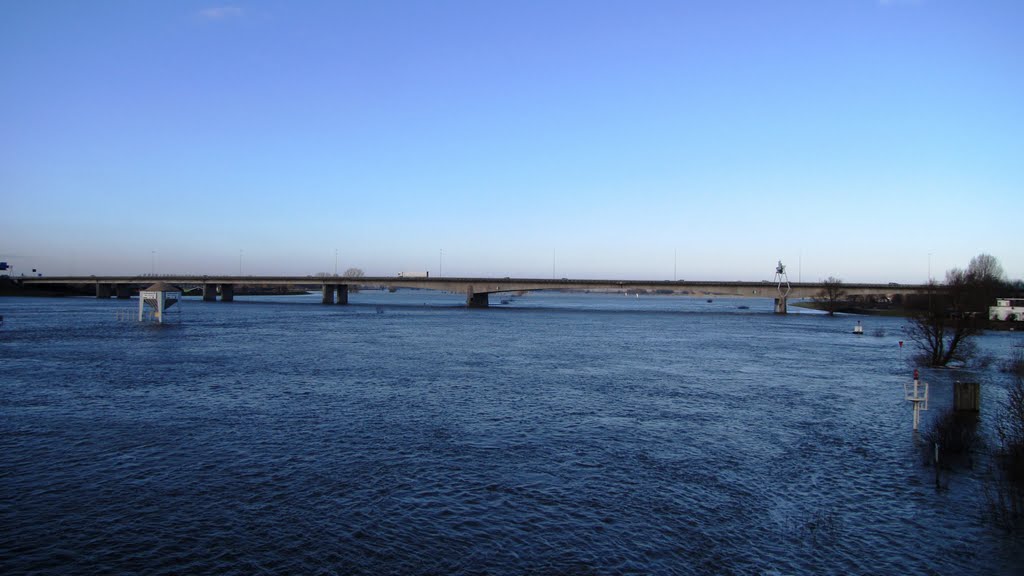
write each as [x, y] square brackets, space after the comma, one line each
[1015, 364]
[1006, 494]
[956, 433]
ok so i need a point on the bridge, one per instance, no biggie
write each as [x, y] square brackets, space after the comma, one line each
[335, 288]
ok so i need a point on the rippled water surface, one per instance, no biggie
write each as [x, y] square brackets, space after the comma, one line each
[405, 434]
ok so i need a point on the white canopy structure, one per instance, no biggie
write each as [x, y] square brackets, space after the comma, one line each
[157, 298]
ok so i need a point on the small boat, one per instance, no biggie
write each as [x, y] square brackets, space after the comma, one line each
[858, 329]
[710, 300]
[744, 307]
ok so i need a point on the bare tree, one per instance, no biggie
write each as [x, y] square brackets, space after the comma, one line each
[832, 294]
[1009, 503]
[353, 273]
[943, 332]
[985, 269]
[987, 282]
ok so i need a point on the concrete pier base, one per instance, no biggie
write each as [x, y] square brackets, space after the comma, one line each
[328, 293]
[124, 291]
[209, 292]
[780, 305]
[476, 300]
[103, 290]
[227, 292]
[342, 293]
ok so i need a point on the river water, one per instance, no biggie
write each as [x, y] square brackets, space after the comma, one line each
[406, 434]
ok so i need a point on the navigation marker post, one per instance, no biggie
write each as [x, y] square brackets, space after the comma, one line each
[917, 398]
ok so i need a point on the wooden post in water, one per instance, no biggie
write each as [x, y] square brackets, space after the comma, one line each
[966, 396]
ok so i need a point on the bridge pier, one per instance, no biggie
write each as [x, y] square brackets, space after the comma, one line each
[209, 292]
[227, 292]
[328, 293]
[342, 293]
[780, 305]
[124, 291]
[476, 299]
[102, 290]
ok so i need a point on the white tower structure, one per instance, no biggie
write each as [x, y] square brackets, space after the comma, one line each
[781, 278]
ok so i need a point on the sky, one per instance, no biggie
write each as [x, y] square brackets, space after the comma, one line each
[870, 140]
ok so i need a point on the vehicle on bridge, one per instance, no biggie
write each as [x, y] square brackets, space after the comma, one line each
[414, 274]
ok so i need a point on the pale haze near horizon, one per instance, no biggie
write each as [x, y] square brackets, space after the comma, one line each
[864, 139]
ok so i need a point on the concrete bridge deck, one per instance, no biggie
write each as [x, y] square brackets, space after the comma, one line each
[475, 289]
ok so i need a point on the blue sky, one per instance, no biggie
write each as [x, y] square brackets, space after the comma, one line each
[864, 139]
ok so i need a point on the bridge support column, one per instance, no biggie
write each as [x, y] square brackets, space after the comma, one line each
[342, 293]
[476, 299]
[780, 305]
[209, 292]
[124, 291]
[227, 292]
[328, 292]
[102, 290]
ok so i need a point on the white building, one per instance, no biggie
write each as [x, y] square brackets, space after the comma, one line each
[1007, 309]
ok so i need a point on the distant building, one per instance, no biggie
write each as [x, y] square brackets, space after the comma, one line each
[1011, 309]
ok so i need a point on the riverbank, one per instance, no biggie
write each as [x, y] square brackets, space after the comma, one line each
[10, 287]
[899, 312]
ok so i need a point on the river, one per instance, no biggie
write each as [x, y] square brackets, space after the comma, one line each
[407, 434]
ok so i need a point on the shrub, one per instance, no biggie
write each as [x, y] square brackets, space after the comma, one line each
[956, 433]
[1015, 364]
[1006, 497]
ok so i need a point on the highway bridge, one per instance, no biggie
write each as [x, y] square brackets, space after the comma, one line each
[335, 288]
